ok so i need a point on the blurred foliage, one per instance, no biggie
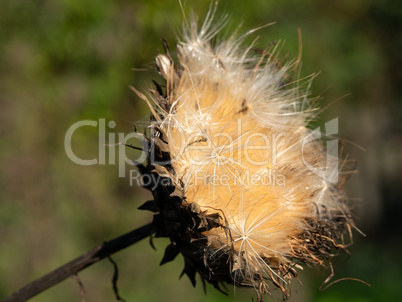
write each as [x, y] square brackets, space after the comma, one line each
[68, 60]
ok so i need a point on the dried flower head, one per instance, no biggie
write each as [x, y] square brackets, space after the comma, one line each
[234, 166]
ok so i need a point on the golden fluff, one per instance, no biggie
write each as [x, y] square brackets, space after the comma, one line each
[244, 203]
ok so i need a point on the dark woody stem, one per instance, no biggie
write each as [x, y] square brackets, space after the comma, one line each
[78, 264]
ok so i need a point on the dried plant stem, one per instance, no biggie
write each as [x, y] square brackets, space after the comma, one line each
[73, 267]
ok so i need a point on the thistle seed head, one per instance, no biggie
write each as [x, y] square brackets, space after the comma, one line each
[234, 164]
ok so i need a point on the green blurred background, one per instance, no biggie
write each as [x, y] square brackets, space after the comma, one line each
[70, 60]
